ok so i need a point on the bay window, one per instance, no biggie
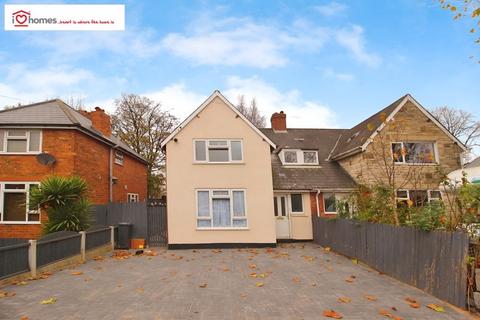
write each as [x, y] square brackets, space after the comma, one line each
[14, 203]
[218, 150]
[221, 208]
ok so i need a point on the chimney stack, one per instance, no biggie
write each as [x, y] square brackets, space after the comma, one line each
[100, 121]
[279, 121]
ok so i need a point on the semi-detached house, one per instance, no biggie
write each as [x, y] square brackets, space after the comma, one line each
[51, 138]
[232, 184]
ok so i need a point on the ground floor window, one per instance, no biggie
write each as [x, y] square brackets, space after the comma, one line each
[14, 207]
[296, 202]
[417, 198]
[221, 208]
[330, 203]
[132, 197]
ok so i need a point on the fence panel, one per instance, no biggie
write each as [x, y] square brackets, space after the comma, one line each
[432, 261]
[13, 259]
[57, 246]
[97, 236]
[113, 213]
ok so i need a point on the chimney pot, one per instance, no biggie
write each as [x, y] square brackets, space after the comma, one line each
[100, 121]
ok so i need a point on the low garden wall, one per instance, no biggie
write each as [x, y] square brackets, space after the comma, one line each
[434, 261]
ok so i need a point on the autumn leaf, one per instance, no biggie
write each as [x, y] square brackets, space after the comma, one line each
[355, 261]
[435, 307]
[344, 300]
[203, 285]
[226, 269]
[6, 294]
[21, 283]
[296, 279]
[327, 249]
[253, 275]
[349, 280]
[243, 295]
[50, 300]
[371, 298]
[259, 284]
[140, 290]
[370, 127]
[76, 273]
[24, 318]
[252, 266]
[98, 258]
[313, 284]
[412, 303]
[332, 314]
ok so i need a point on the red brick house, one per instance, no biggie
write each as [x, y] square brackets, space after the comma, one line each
[79, 143]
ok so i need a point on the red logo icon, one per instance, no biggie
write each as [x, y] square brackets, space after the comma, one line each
[20, 18]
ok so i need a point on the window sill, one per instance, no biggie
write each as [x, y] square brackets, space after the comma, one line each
[20, 222]
[417, 164]
[19, 153]
[223, 229]
[214, 163]
[316, 166]
[299, 214]
[330, 213]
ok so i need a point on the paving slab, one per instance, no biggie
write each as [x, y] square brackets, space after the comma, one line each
[293, 281]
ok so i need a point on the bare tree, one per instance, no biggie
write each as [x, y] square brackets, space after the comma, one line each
[76, 102]
[252, 113]
[142, 124]
[460, 123]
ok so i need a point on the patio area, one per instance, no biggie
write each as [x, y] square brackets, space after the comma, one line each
[293, 281]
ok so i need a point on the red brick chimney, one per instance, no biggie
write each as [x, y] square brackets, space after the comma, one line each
[100, 121]
[279, 121]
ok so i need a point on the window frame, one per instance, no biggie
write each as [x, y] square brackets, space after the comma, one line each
[118, 160]
[135, 197]
[404, 162]
[25, 190]
[429, 191]
[291, 206]
[26, 137]
[300, 157]
[325, 206]
[210, 209]
[208, 147]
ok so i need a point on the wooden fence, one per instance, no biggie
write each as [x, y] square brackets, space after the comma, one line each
[433, 261]
[27, 256]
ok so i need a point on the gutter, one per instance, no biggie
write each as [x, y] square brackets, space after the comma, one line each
[347, 153]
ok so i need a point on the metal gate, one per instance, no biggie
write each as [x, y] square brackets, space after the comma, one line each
[157, 225]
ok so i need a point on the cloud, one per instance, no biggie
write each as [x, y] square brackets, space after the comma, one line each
[301, 113]
[242, 41]
[329, 73]
[353, 40]
[331, 9]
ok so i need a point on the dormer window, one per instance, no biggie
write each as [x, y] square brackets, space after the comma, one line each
[299, 157]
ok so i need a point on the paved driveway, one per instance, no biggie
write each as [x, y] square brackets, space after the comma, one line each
[294, 281]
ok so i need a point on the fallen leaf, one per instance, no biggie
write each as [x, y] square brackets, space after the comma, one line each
[243, 295]
[412, 303]
[226, 270]
[98, 258]
[313, 284]
[349, 280]
[296, 279]
[24, 318]
[204, 285]
[371, 298]
[6, 294]
[262, 275]
[332, 314]
[21, 283]
[252, 266]
[50, 300]
[76, 273]
[344, 300]
[355, 261]
[327, 249]
[140, 290]
[387, 314]
[253, 275]
[259, 284]
[435, 307]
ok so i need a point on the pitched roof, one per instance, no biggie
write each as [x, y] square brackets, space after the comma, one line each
[357, 138]
[329, 175]
[56, 113]
[214, 95]
[474, 163]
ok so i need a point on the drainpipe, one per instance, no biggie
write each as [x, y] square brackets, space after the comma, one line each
[316, 200]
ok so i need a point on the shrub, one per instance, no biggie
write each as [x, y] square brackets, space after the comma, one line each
[65, 201]
[428, 217]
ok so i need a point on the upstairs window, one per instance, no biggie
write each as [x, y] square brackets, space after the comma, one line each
[299, 157]
[20, 141]
[218, 151]
[118, 157]
[414, 152]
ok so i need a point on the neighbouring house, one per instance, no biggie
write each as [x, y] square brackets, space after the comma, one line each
[51, 138]
[471, 172]
[230, 183]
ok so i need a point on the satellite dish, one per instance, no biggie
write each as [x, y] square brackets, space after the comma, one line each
[46, 159]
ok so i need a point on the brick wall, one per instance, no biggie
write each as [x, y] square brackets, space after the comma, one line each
[366, 167]
[321, 208]
[131, 178]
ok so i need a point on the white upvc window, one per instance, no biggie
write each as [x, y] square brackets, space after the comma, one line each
[118, 157]
[329, 203]
[424, 152]
[132, 197]
[218, 150]
[14, 203]
[299, 157]
[417, 197]
[20, 141]
[221, 209]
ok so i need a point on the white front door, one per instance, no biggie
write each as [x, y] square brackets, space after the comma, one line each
[281, 216]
